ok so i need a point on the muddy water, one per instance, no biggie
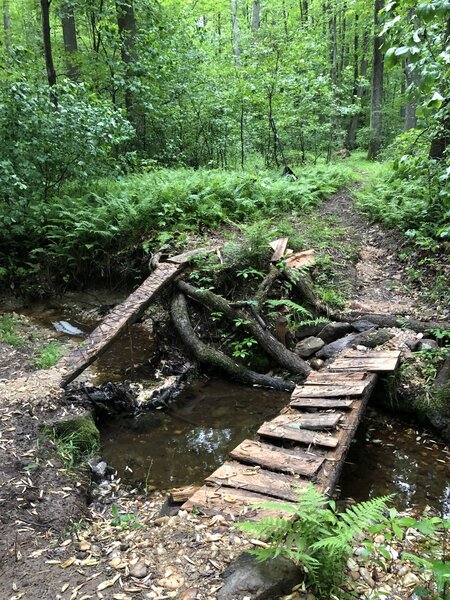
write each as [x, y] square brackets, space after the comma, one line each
[391, 457]
[185, 444]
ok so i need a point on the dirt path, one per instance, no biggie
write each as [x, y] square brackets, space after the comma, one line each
[54, 546]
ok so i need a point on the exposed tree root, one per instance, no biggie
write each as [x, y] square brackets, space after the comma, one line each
[284, 357]
[211, 356]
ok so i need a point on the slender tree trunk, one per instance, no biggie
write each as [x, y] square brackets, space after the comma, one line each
[256, 14]
[235, 35]
[126, 22]
[358, 90]
[51, 73]
[70, 38]
[376, 131]
[7, 27]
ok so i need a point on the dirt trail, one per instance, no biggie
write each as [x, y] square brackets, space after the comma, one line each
[380, 277]
[52, 545]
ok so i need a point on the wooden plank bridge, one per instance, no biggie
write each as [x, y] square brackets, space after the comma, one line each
[307, 442]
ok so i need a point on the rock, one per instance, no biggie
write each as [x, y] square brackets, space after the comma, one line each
[367, 577]
[410, 579]
[308, 330]
[309, 346]
[372, 339]
[363, 325]
[258, 580]
[316, 363]
[426, 344]
[334, 331]
[139, 570]
[331, 349]
[98, 469]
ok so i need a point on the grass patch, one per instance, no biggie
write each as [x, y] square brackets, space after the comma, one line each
[75, 439]
[9, 326]
[48, 356]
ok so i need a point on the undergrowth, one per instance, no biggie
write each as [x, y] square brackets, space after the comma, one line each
[49, 355]
[109, 231]
[9, 331]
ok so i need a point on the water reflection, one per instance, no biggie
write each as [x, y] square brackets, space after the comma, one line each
[184, 445]
[391, 457]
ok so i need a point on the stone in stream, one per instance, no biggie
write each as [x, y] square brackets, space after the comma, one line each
[316, 363]
[370, 339]
[363, 325]
[246, 577]
[427, 344]
[334, 331]
[308, 330]
[309, 346]
[335, 347]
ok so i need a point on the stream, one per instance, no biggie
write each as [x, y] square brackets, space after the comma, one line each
[184, 443]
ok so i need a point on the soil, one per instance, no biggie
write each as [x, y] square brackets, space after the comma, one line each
[62, 536]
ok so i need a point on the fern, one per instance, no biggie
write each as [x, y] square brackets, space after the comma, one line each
[297, 308]
[317, 537]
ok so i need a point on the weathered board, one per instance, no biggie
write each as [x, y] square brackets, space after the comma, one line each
[277, 459]
[321, 403]
[279, 246]
[368, 361]
[338, 390]
[326, 377]
[255, 479]
[285, 427]
[232, 503]
[123, 315]
[314, 421]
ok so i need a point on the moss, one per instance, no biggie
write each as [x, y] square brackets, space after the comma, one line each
[75, 438]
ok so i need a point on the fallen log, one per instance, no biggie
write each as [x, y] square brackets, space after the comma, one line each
[215, 358]
[384, 320]
[303, 286]
[264, 287]
[284, 357]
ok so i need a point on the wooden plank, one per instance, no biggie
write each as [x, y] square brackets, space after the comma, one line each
[235, 504]
[277, 459]
[321, 403]
[339, 390]
[279, 247]
[312, 421]
[327, 376]
[373, 361]
[300, 260]
[181, 259]
[329, 473]
[254, 479]
[284, 428]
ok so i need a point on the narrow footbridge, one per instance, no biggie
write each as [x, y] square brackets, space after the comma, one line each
[307, 442]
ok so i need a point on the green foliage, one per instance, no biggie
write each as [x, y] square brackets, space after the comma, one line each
[124, 520]
[8, 331]
[49, 355]
[317, 536]
[75, 440]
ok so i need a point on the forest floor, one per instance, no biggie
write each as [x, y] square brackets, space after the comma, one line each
[54, 544]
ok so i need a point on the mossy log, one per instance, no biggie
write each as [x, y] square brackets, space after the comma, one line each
[210, 356]
[284, 357]
[384, 320]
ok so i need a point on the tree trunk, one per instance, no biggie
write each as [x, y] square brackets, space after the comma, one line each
[51, 73]
[7, 27]
[284, 357]
[211, 356]
[126, 23]
[376, 132]
[235, 35]
[256, 13]
[70, 38]
[358, 90]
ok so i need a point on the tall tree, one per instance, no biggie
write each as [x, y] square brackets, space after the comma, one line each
[235, 34]
[376, 132]
[7, 27]
[51, 73]
[70, 38]
[359, 88]
[256, 15]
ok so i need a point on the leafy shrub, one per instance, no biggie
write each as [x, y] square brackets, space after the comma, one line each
[317, 537]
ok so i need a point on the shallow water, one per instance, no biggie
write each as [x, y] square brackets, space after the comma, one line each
[184, 444]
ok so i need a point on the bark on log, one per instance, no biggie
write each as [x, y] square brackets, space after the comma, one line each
[284, 357]
[211, 356]
[384, 320]
[264, 287]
